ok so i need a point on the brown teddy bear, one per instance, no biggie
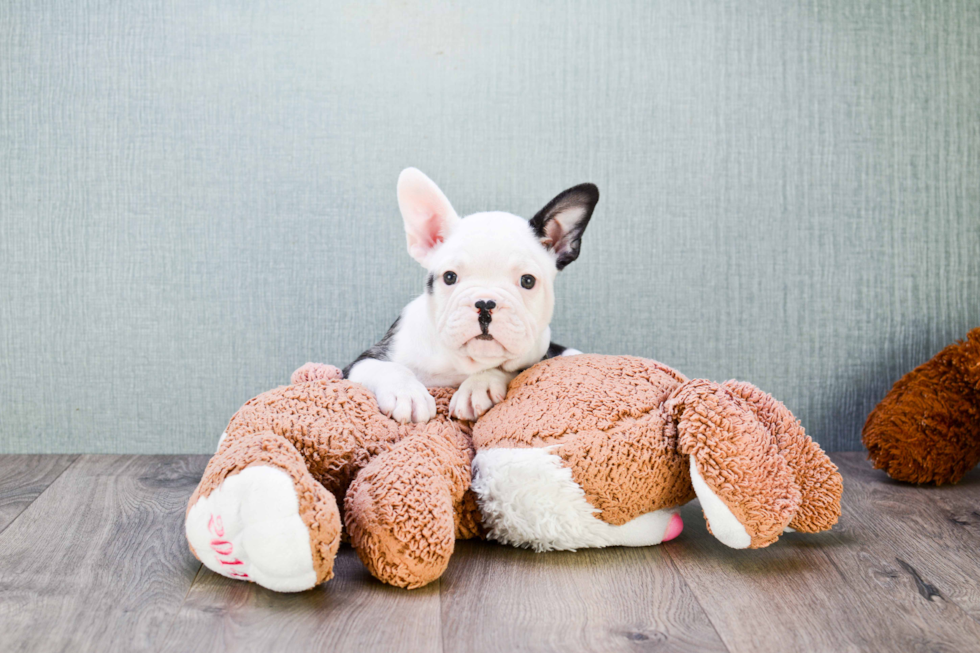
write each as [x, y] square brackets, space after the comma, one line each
[585, 451]
[927, 428]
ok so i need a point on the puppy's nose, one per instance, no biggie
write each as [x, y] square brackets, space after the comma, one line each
[484, 307]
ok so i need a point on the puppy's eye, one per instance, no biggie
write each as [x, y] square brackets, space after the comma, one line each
[449, 278]
[527, 282]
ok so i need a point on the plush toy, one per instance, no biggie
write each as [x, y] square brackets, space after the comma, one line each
[595, 450]
[585, 451]
[927, 428]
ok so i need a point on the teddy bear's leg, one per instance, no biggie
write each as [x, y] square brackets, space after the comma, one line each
[405, 509]
[817, 477]
[259, 515]
[528, 497]
[272, 487]
[746, 488]
[620, 487]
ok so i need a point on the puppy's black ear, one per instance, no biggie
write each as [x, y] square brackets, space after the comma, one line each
[562, 222]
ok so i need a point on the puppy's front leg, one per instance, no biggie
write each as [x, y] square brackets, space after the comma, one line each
[479, 392]
[399, 393]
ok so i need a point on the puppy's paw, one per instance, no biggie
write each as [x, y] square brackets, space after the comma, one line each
[405, 400]
[479, 393]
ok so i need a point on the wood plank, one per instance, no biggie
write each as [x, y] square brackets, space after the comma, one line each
[23, 478]
[497, 598]
[852, 589]
[351, 612]
[941, 524]
[98, 562]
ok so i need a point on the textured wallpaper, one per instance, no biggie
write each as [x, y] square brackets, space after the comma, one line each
[198, 197]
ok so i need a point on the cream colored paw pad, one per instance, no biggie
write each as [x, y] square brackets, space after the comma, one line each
[250, 528]
[724, 525]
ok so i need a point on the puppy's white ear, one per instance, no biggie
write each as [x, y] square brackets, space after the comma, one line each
[428, 215]
[561, 223]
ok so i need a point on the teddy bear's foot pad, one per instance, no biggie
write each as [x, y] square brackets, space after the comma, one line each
[250, 528]
[528, 498]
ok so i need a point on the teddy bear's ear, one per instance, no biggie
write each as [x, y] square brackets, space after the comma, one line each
[561, 223]
[428, 215]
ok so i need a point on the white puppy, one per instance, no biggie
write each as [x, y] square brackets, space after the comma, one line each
[487, 304]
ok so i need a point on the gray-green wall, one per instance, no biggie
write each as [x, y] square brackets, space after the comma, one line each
[196, 198]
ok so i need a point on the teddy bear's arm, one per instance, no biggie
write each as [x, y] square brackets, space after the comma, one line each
[753, 468]
[746, 489]
[403, 511]
[817, 477]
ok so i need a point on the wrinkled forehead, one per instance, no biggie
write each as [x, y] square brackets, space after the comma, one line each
[495, 240]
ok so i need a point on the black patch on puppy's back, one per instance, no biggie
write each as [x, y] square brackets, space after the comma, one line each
[554, 349]
[379, 350]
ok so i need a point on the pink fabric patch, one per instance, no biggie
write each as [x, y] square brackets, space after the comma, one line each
[674, 528]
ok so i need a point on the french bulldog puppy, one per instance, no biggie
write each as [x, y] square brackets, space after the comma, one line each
[484, 315]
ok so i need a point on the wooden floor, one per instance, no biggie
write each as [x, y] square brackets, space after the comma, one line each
[93, 558]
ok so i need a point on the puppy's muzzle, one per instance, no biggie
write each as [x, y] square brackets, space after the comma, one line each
[485, 308]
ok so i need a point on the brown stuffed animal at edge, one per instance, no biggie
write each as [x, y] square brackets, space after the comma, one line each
[927, 428]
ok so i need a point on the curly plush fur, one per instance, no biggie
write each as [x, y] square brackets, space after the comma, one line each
[927, 428]
[629, 429]
[400, 491]
[585, 450]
